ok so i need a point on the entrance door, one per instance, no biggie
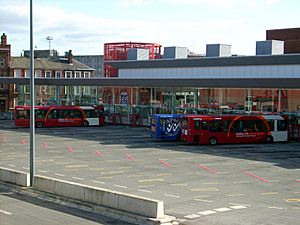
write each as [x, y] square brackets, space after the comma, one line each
[2, 105]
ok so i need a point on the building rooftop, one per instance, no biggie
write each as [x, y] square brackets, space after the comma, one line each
[48, 64]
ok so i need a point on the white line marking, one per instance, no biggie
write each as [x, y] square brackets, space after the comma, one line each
[202, 200]
[77, 178]
[12, 165]
[273, 207]
[233, 195]
[172, 196]
[43, 171]
[192, 216]
[241, 182]
[144, 191]
[99, 182]
[120, 186]
[238, 207]
[5, 212]
[222, 209]
[60, 175]
[207, 212]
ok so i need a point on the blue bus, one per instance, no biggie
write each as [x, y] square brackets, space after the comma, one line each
[166, 126]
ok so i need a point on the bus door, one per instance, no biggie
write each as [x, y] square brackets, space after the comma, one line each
[51, 118]
[280, 132]
[93, 117]
[199, 130]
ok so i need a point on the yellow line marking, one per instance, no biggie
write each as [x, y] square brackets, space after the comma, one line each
[211, 183]
[269, 193]
[205, 189]
[112, 172]
[164, 174]
[293, 200]
[71, 170]
[151, 180]
[96, 169]
[76, 166]
[104, 177]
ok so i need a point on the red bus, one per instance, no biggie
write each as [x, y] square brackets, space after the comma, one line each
[215, 129]
[60, 116]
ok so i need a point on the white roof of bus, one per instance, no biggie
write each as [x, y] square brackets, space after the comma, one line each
[87, 107]
[273, 117]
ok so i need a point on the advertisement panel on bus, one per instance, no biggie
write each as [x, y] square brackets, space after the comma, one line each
[166, 126]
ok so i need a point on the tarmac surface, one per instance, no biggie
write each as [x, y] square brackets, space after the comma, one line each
[247, 184]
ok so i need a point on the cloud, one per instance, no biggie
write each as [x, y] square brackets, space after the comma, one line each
[129, 3]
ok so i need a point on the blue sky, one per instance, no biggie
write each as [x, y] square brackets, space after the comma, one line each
[85, 25]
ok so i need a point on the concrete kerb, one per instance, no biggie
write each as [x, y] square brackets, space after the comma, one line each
[127, 205]
[119, 205]
[14, 177]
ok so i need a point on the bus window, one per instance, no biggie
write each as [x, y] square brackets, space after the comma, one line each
[271, 124]
[91, 113]
[40, 113]
[22, 114]
[185, 123]
[204, 125]
[226, 124]
[215, 126]
[52, 114]
[281, 125]
[197, 124]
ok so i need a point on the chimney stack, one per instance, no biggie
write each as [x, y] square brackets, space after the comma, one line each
[3, 39]
[70, 57]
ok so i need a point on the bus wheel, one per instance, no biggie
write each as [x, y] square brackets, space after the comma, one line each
[269, 139]
[39, 124]
[213, 141]
[85, 123]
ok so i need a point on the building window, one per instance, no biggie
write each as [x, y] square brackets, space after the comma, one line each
[27, 73]
[86, 90]
[48, 74]
[77, 74]
[58, 74]
[68, 74]
[38, 73]
[86, 74]
[17, 73]
[77, 90]
[2, 62]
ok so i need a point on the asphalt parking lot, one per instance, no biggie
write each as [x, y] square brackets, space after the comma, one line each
[223, 184]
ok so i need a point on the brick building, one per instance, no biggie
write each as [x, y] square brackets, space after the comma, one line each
[290, 36]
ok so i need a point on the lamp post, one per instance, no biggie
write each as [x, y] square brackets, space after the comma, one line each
[32, 102]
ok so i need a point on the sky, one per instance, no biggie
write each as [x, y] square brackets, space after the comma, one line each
[83, 26]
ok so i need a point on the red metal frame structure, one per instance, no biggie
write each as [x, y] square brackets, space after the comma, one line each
[118, 51]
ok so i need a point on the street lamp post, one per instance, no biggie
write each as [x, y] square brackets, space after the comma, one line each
[32, 102]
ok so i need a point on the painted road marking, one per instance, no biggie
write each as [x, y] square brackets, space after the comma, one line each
[112, 172]
[151, 180]
[222, 209]
[77, 178]
[105, 178]
[129, 157]
[207, 212]
[76, 166]
[70, 149]
[5, 212]
[43, 171]
[120, 186]
[254, 175]
[204, 189]
[124, 167]
[60, 175]
[135, 175]
[293, 200]
[98, 182]
[98, 153]
[206, 168]
[164, 174]
[172, 196]
[151, 166]
[178, 185]
[241, 182]
[297, 180]
[45, 145]
[144, 191]
[202, 200]
[192, 216]
[202, 196]
[269, 193]
[165, 163]
[233, 195]
[238, 207]
[146, 186]
[211, 183]
[11, 165]
[24, 142]
[274, 207]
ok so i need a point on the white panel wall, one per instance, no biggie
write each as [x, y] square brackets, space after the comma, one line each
[280, 71]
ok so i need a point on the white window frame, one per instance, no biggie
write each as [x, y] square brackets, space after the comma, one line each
[27, 73]
[68, 72]
[17, 73]
[86, 74]
[58, 72]
[38, 73]
[77, 73]
[48, 71]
